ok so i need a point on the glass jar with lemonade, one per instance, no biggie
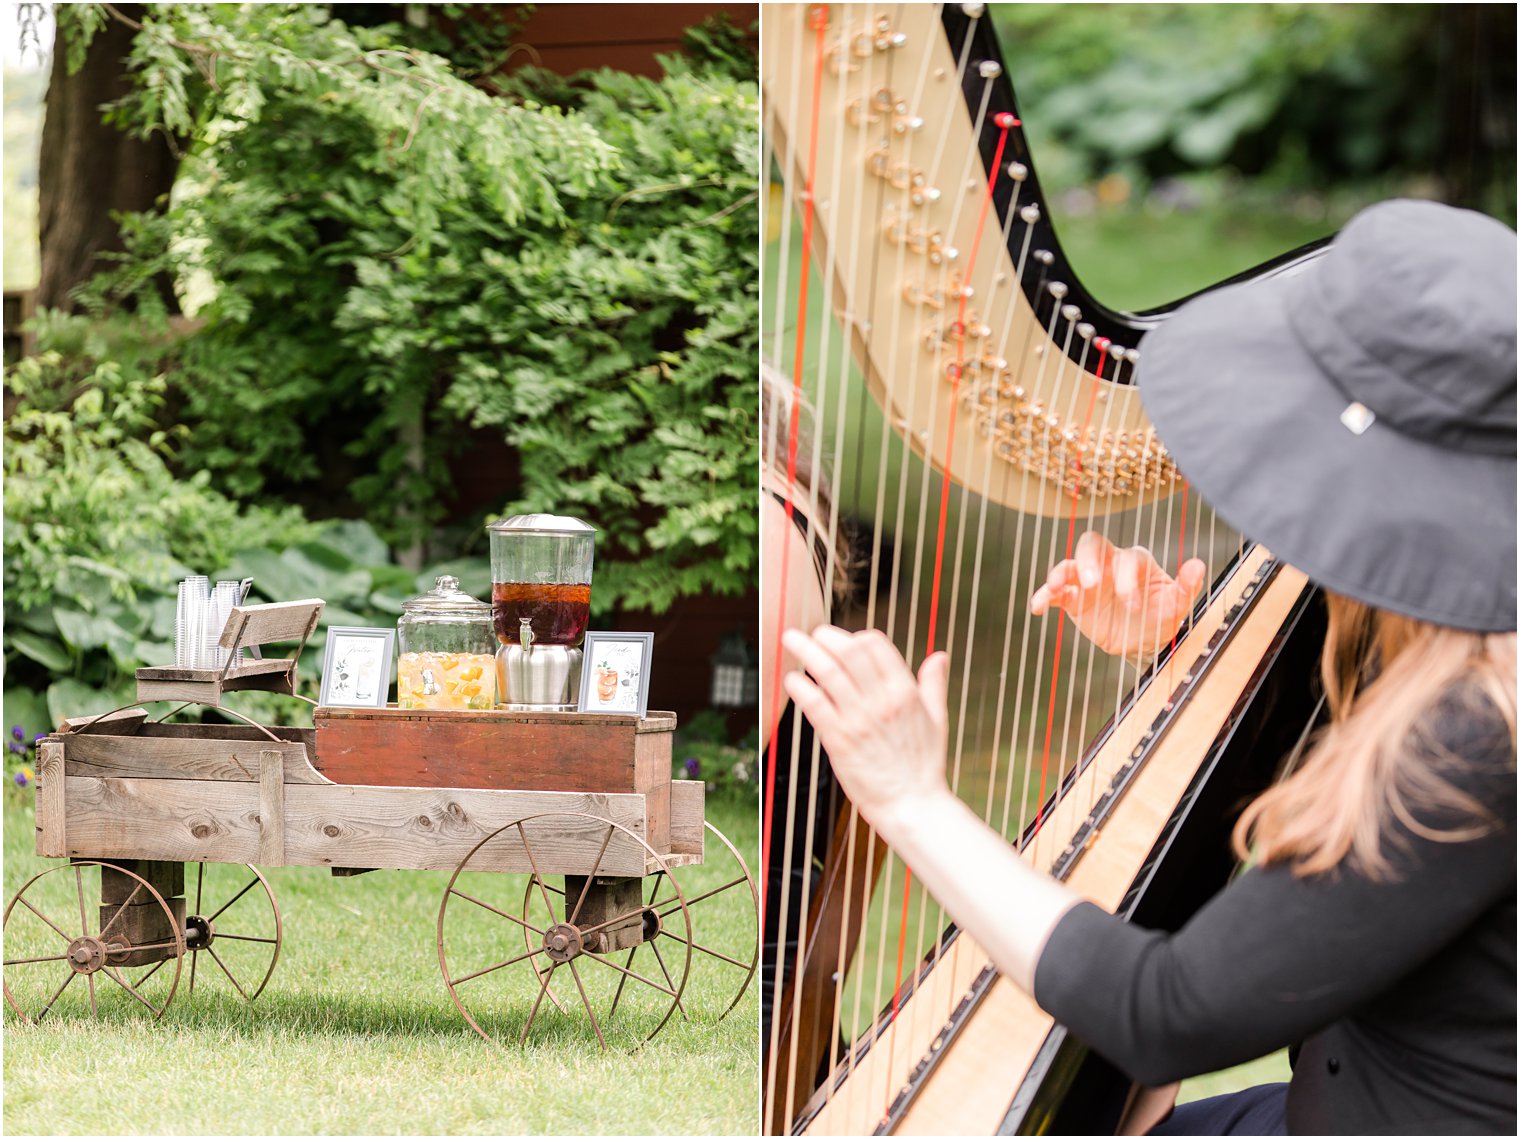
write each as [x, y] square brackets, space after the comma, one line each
[447, 651]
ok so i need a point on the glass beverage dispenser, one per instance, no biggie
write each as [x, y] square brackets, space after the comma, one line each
[540, 604]
[447, 651]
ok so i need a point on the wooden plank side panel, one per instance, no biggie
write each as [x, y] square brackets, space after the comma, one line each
[271, 808]
[381, 827]
[49, 816]
[651, 779]
[688, 799]
[497, 750]
[183, 757]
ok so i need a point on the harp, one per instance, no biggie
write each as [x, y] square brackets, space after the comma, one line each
[977, 407]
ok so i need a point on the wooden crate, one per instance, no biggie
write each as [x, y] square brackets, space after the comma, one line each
[531, 751]
[213, 793]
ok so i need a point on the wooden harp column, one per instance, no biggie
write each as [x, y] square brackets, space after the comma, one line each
[975, 406]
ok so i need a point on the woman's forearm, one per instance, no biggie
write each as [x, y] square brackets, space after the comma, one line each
[985, 887]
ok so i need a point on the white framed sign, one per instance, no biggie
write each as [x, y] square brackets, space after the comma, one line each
[356, 668]
[615, 675]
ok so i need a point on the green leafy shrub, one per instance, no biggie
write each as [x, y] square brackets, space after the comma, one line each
[99, 530]
[701, 751]
[384, 255]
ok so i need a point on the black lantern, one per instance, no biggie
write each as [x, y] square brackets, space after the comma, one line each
[735, 673]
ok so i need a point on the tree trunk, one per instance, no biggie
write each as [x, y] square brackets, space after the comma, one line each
[89, 169]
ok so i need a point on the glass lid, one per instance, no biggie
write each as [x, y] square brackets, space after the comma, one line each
[447, 599]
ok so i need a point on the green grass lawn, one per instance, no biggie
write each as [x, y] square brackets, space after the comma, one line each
[356, 1034]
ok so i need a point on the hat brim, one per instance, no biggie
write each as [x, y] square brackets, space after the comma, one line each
[1384, 518]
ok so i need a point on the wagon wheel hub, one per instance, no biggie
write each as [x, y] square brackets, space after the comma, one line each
[88, 954]
[563, 942]
[653, 924]
[199, 932]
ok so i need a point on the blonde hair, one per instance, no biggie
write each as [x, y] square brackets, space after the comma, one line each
[1379, 762]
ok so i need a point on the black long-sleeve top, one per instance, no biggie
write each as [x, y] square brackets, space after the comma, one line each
[1399, 994]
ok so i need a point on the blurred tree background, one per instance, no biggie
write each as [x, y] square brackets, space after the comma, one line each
[1183, 143]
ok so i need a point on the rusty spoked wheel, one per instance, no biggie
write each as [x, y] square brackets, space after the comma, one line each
[725, 913]
[68, 952]
[560, 961]
[235, 921]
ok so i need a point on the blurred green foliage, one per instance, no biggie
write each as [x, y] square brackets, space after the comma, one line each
[1180, 144]
[1312, 93]
[388, 255]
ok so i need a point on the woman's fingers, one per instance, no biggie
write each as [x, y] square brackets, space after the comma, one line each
[1061, 585]
[1190, 577]
[934, 686]
[814, 704]
[828, 673]
[1127, 576]
[1092, 557]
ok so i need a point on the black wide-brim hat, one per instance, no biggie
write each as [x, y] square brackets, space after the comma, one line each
[1357, 416]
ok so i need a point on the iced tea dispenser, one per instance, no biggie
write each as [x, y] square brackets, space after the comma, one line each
[540, 604]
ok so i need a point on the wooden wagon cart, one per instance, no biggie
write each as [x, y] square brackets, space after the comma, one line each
[566, 840]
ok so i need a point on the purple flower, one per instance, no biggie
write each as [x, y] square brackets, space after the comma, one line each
[16, 749]
[693, 768]
[18, 731]
[21, 779]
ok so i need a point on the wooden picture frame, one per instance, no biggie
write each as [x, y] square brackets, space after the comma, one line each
[615, 673]
[356, 667]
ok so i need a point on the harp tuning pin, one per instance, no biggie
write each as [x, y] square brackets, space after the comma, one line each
[1071, 313]
[1102, 343]
[1018, 171]
[1058, 289]
[1030, 214]
[1085, 330]
[897, 40]
[974, 10]
[1132, 355]
[989, 69]
[1045, 257]
[1116, 351]
[951, 253]
[1005, 120]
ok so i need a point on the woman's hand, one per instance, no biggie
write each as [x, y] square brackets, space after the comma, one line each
[885, 732]
[1121, 600]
